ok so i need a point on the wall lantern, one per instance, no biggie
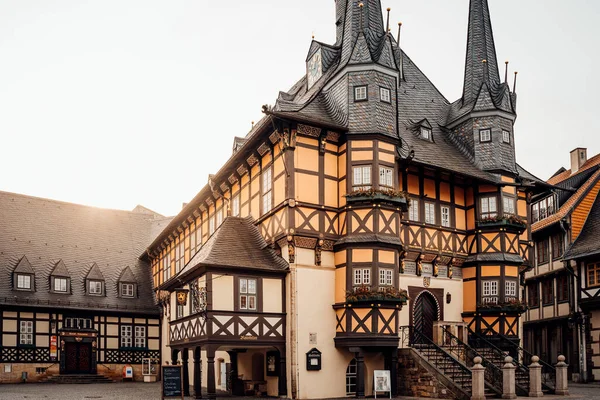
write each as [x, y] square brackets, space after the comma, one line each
[448, 298]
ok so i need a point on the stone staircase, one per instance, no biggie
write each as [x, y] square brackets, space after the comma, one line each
[78, 378]
[521, 372]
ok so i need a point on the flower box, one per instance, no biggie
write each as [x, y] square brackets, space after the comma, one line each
[386, 196]
[514, 223]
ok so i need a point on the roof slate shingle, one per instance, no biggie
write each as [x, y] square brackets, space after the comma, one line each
[588, 241]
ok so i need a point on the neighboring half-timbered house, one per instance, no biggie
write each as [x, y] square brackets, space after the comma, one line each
[562, 287]
[368, 187]
[74, 297]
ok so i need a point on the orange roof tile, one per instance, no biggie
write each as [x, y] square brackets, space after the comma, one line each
[569, 204]
[592, 162]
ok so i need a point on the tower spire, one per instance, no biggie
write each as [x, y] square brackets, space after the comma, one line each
[480, 46]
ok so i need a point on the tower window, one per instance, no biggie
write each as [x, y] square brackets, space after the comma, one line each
[386, 177]
[489, 207]
[485, 135]
[384, 94]
[362, 276]
[506, 136]
[360, 93]
[361, 177]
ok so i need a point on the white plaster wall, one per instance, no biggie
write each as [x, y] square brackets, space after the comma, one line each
[222, 293]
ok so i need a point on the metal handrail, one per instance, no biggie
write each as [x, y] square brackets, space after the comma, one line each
[493, 374]
[520, 368]
[548, 371]
[418, 338]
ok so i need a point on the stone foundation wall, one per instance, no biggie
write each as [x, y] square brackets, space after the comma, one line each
[115, 371]
[33, 372]
[416, 381]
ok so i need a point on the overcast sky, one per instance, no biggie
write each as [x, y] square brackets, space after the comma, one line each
[114, 103]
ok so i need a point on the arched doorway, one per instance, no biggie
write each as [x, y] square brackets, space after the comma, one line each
[351, 378]
[425, 313]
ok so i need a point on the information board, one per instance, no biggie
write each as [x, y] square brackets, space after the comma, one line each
[172, 384]
[382, 382]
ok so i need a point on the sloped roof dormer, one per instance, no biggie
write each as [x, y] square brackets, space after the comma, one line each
[60, 269]
[94, 273]
[24, 267]
[127, 276]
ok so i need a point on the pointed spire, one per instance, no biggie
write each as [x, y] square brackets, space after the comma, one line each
[352, 19]
[480, 46]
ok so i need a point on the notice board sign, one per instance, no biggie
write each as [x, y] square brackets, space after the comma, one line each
[382, 382]
[172, 383]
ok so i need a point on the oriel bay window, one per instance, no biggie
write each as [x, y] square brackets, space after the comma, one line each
[361, 177]
[248, 294]
[361, 277]
[386, 277]
[386, 177]
[509, 205]
[510, 290]
[593, 274]
[489, 292]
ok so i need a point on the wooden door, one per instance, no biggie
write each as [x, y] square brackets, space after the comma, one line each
[78, 358]
[425, 313]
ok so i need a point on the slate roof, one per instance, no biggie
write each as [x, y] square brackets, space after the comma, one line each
[566, 174]
[568, 206]
[237, 243]
[45, 237]
[588, 241]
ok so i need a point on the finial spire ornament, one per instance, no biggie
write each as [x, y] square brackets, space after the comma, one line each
[515, 84]
[387, 25]
[399, 31]
[506, 72]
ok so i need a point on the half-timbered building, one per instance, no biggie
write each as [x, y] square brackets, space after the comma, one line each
[74, 296]
[364, 207]
[561, 287]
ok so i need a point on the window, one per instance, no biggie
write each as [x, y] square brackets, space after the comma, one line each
[445, 212]
[179, 312]
[127, 290]
[534, 295]
[510, 290]
[490, 292]
[167, 267]
[429, 213]
[509, 205]
[489, 208]
[413, 210]
[140, 336]
[95, 287]
[542, 209]
[542, 251]
[193, 240]
[362, 276]
[211, 225]
[557, 246]
[548, 291]
[593, 274]
[26, 332]
[506, 136]
[386, 277]
[425, 133]
[179, 256]
[78, 323]
[235, 206]
[360, 93]
[126, 340]
[384, 94]
[247, 294]
[562, 288]
[60, 285]
[361, 177]
[386, 177]
[267, 186]
[24, 282]
[198, 238]
[220, 217]
[485, 135]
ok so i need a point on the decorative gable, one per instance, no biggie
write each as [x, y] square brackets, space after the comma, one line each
[24, 267]
[60, 269]
[95, 273]
[127, 276]
[94, 282]
[361, 53]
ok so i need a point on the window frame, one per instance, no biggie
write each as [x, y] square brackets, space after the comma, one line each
[488, 213]
[89, 287]
[235, 206]
[557, 246]
[362, 168]
[533, 296]
[548, 292]
[266, 180]
[211, 225]
[432, 209]
[140, 336]
[511, 289]
[512, 202]
[386, 277]
[56, 279]
[29, 333]
[492, 289]
[387, 173]
[543, 209]
[245, 293]
[541, 249]
[446, 222]
[123, 285]
[414, 205]
[126, 336]
[29, 277]
[363, 278]
[358, 98]
[562, 288]
[425, 133]
[505, 135]
[383, 90]
[482, 132]
[595, 268]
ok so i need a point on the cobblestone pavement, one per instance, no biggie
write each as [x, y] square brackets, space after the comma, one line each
[151, 391]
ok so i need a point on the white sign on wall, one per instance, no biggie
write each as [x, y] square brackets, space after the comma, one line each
[382, 382]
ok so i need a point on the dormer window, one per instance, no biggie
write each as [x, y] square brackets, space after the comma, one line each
[127, 290]
[360, 93]
[23, 282]
[425, 133]
[485, 135]
[385, 95]
[59, 285]
[95, 287]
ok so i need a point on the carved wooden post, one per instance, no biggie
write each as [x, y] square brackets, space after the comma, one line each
[478, 387]
[508, 379]
[562, 388]
[197, 373]
[186, 373]
[211, 388]
[535, 378]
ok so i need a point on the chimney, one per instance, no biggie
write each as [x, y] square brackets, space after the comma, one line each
[578, 158]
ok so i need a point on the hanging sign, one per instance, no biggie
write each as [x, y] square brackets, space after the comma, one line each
[382, 382]
[182, 295]
[53, 347]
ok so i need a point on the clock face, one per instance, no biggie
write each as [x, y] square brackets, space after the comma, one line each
[314, 68]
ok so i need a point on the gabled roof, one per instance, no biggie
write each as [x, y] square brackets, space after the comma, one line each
[94, 273]
[588, 241]
[237, 243]
[127, 276]
[53, 233]
[569, 205]
[566, 174]
[60, 269]
[23, 267]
